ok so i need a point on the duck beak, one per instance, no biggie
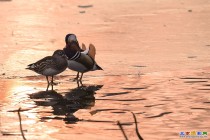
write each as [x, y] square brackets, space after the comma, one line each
[64, 56]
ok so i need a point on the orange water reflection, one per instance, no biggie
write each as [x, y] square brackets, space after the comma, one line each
[159, 100]
[153, 66]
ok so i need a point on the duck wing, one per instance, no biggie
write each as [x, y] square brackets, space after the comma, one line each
[42, 64]
[83, 47]
[86, 60]
[92, 51]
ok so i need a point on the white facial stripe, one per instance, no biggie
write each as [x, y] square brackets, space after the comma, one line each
[72, 38]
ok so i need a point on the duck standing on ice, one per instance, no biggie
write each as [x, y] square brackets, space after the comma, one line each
[80, 60]
[50, 65]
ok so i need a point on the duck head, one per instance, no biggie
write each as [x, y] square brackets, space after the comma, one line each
[70, 37]
[72, 43]
[59, 53]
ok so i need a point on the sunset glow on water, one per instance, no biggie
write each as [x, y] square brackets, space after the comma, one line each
[155, 60]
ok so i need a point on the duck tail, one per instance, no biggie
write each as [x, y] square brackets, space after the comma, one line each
[98, 67]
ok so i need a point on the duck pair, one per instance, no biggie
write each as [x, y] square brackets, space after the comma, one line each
[72, 56]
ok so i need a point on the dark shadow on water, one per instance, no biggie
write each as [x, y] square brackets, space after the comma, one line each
[93, 112]
[138, 88]
[204, 89]
[160, 115]
[194, 78]
[206, 102]
[114, 94]
[206, 85]
[153, 105]
[203, 81]
[85, 6]
[128, 100]
[119, 112]
[65, 104]
[200, 108]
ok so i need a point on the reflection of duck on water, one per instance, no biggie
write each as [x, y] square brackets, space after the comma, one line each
[67, 104]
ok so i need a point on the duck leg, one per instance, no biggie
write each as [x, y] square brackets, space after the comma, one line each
[47, 80]
[76, 78]
[79, 83]
[52, 83]
[48, 83]
[52, 80]
[80, 79]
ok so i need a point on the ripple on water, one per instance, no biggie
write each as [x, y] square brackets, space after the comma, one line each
[95, 109]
